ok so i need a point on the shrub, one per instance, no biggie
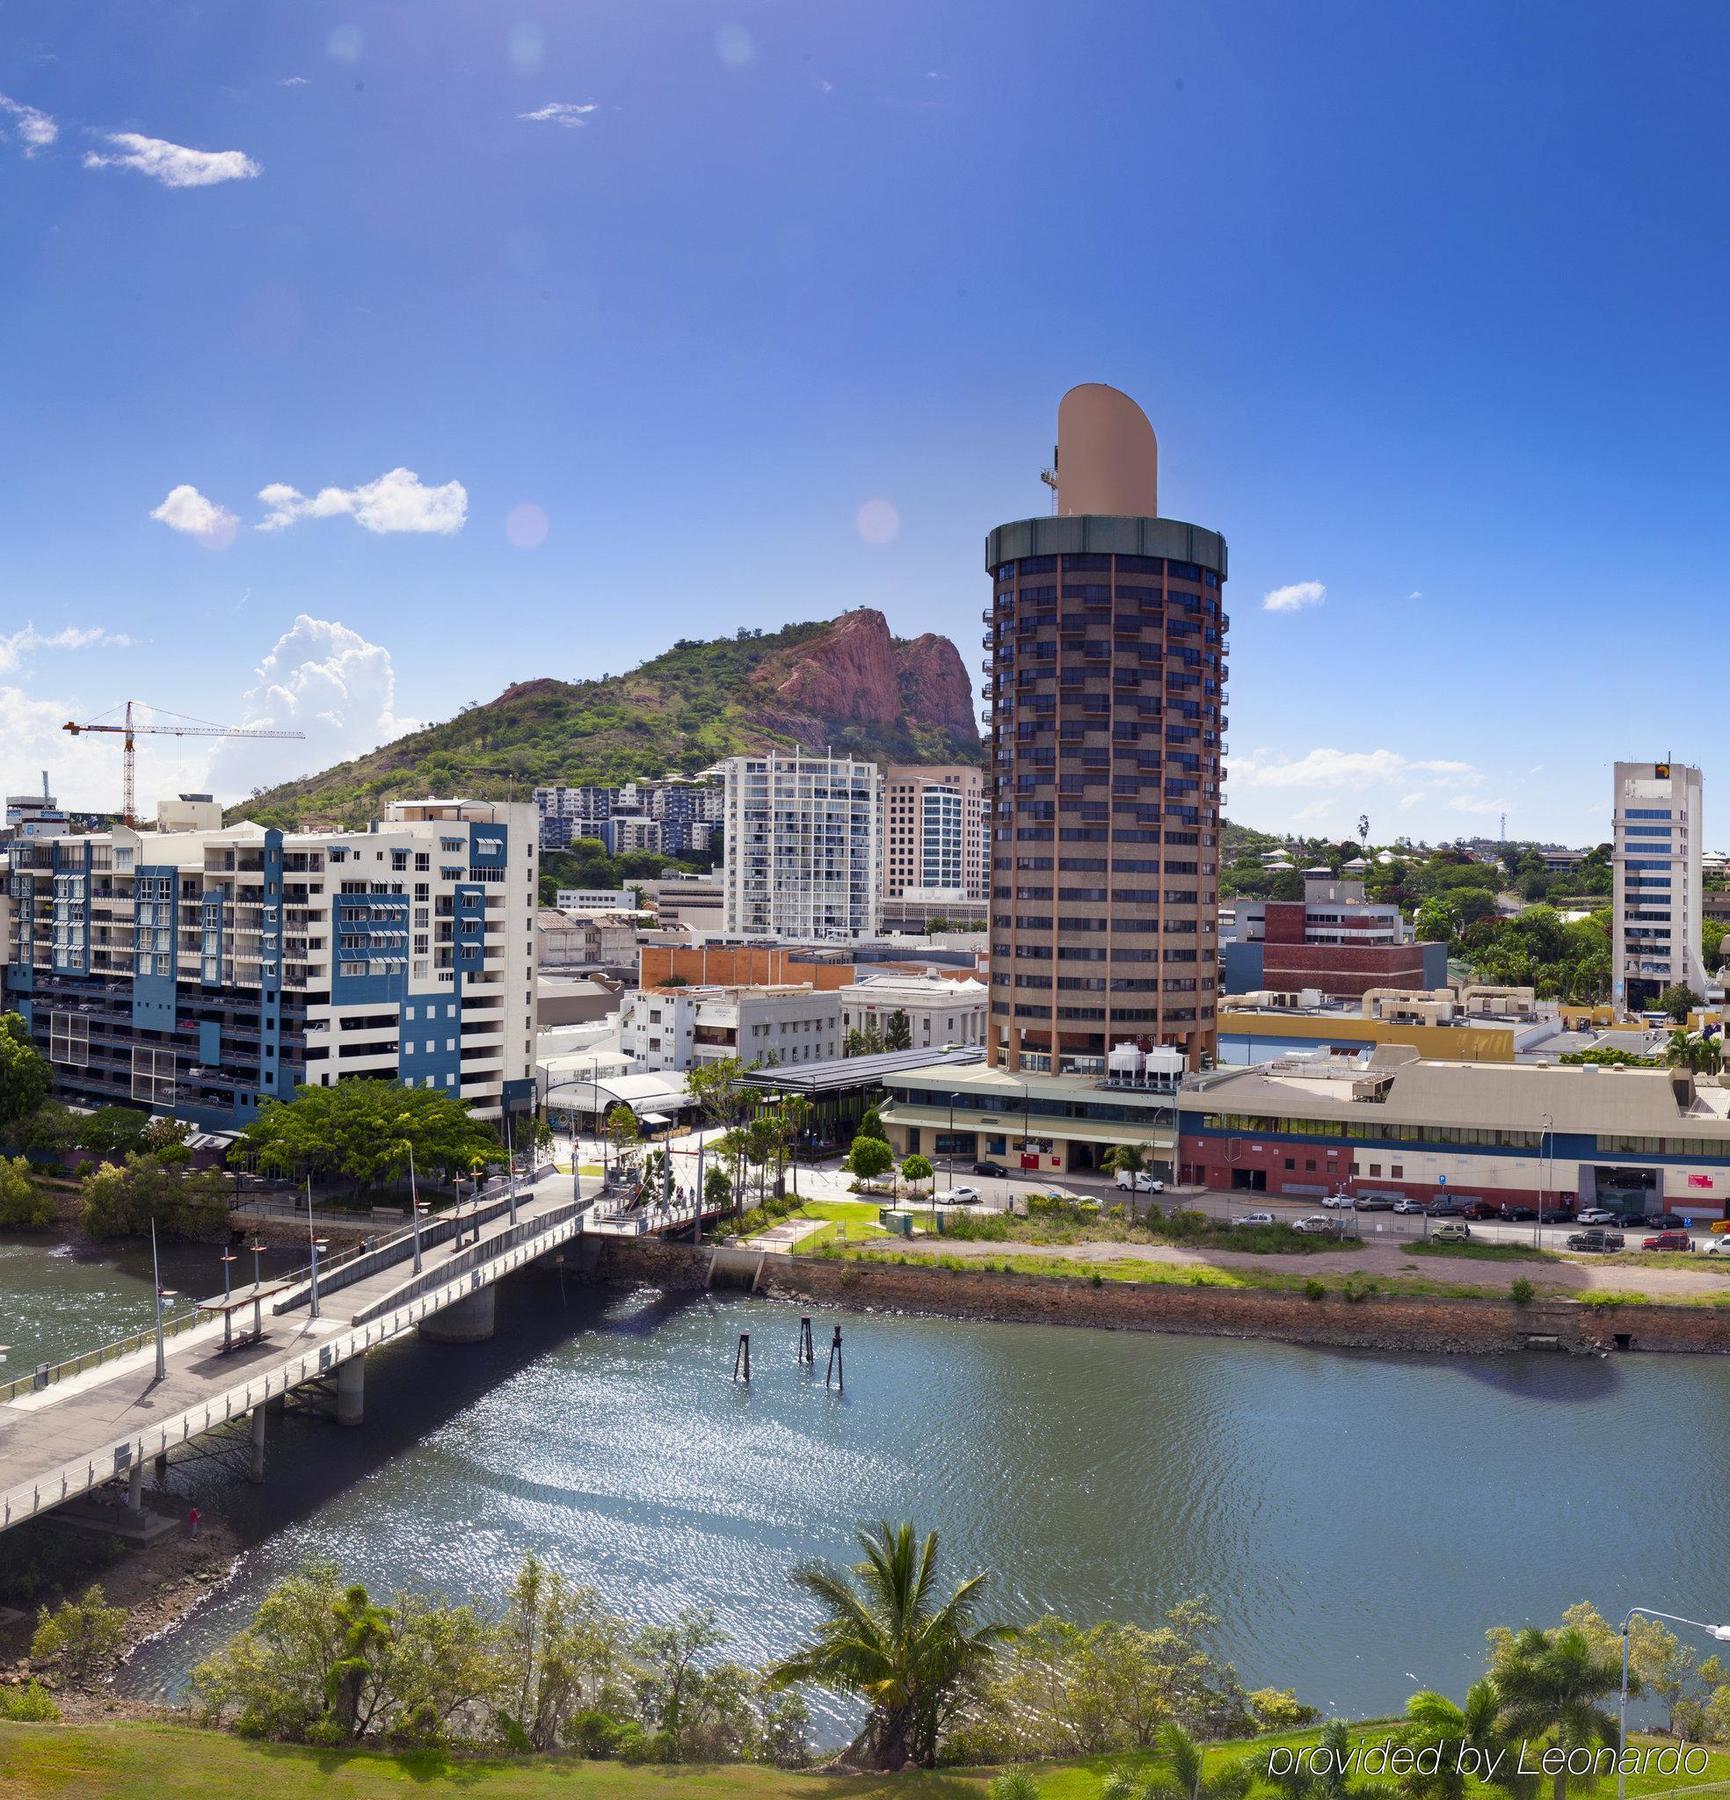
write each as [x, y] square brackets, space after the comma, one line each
[1522, 1292]
[23, 1205]
[992, 1229]
[1315, 1290]
[1014, 1784]
[29, 1704]
[1356, 1291]
[79, 1634]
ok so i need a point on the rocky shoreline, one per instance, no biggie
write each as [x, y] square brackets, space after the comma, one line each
[158, 1585]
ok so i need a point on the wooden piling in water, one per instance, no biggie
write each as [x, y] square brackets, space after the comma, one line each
[807, 1351]
[742, 1358]
[837, 1374]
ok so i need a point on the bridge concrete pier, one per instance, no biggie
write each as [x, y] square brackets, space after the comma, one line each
[255, 1463]
[159, 1465]
[135, 1489]
[470, 1320]
[351, 1391]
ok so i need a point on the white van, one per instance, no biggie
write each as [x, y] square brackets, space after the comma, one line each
[1140, 1182]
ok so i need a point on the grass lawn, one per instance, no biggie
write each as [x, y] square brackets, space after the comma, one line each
[845, 1222]
[171, 1762]
[1153, 1274]
[1484, 1252]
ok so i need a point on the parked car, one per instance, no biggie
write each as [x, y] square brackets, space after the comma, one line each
[1519, 1215]
[1374, 1203]
[960, 1196]
[1320, 1225]
[1445, 1208]
[1338, 1201]
[1597, 1215]
[1451, 1231]
[1408, 1206]
[1256, 1218]
[1141, 1182]
[1665, 1222]
[1595, 1239]
[1480, 1209]
[1667, 1240]
[990, 1168]
[1719, 1246]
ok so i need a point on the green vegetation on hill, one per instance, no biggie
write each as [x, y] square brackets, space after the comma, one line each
[679, 711]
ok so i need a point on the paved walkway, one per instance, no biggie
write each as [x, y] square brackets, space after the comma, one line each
[72, 1435]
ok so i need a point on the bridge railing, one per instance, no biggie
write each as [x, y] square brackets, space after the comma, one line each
[45, 1375]
[66, 1481]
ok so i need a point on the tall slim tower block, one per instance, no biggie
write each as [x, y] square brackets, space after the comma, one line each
[1107, 672]
[1656, 852]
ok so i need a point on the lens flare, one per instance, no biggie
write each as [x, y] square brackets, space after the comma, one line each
[526, 525]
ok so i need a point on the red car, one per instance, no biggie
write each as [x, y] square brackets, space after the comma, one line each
[1668, 1240]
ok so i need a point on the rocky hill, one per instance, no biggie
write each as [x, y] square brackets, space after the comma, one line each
[846, 684]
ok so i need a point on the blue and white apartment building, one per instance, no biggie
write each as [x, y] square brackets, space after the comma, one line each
[198, 969]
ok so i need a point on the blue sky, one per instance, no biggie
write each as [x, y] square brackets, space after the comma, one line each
[1425, 304]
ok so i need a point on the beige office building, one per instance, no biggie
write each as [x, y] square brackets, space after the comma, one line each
[934, 831]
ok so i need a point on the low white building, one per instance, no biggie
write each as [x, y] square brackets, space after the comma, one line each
[939, 1010]
[673, 1028]
[595, 900]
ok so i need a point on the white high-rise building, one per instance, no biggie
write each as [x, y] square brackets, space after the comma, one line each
[804, 835]
[1656, 841]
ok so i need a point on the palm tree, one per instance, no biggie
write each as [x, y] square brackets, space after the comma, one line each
[1183, 1772]
[889, 1640]
[1434, 1722]
[1554, 1684]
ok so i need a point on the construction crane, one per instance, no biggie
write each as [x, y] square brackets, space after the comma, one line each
[129, 728]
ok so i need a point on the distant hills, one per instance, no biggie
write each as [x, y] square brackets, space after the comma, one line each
[845, 684]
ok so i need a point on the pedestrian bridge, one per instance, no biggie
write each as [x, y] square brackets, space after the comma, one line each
[75, 1427]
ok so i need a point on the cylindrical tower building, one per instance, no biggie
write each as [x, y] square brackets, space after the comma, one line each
[1107, 671]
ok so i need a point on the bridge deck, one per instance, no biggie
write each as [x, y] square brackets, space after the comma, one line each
[84, 1430]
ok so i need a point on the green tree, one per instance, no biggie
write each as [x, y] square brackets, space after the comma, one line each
[890, 1640]
[1678, 1000]
[1437, 920]
[122, 1200]
[625, 1135]
[916, 1168]
[898, 1031]
[355, 1131]
[80, 1635]
[871, 1125]
[1554, 1684]
[25, 1205]
[720, 1091]
[698, 1709]
[870, 1158]
[113, 1132]
[563, 1654]
[25, 1075]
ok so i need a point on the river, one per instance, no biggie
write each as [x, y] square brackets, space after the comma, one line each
[1358, 1519]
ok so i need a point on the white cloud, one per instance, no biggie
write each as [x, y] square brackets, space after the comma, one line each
[1294, 595]
[321, 678]
[1328, 768]
[568, 113]
[294, 81]
[397, 501]
[1415, 594]
[33, 129]
[187, 510]
[16, 645]
[1470, 803]
[174, 165]
[84, 772]
[1410, 800]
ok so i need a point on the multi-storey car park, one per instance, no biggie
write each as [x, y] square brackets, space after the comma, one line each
[199, 969]
[1106, 670]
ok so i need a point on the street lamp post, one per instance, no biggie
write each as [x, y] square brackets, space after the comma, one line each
[317, 1245]
[1720, 1632]
[162, 1294]
[511, 1165]
[413, 1204]
[1549, 1133]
